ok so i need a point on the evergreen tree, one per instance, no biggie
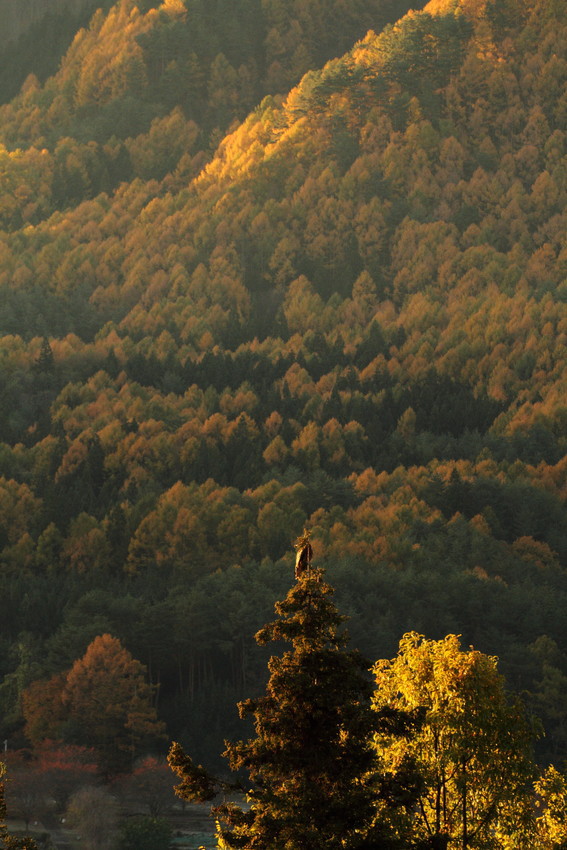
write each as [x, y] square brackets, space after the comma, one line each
[44, 362]
[315, 780]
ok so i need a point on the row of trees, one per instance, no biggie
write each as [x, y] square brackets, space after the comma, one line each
[438, 757]
[435, 755]
[191, 529]
[199, 655]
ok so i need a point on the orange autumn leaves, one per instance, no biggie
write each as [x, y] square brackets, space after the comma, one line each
[103, 700]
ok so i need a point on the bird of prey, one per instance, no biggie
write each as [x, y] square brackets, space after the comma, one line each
[303, 554]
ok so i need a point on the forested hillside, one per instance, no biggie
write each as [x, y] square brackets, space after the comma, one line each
[268, 265]
[34, 36]
[18, 16]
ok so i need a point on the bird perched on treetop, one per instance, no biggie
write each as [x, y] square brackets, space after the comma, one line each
[303, 554]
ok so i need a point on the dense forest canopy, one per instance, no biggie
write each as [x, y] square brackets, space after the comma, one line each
[270, 265]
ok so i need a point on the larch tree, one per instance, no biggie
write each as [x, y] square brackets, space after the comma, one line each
[311, 764]
[109, 703]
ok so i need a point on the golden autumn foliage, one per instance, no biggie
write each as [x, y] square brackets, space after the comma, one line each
[275, 278]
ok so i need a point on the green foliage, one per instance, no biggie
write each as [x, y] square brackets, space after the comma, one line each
[423, 50]
[145, 833]
[196, 784]
[310, 762]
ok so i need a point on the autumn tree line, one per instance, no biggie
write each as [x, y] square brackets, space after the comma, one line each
[348, 313]
[433, 755]
[125, 90]
[436, 756]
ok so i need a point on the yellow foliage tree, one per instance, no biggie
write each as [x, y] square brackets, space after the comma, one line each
[472, 749]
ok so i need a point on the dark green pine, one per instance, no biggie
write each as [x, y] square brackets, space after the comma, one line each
[310, 762]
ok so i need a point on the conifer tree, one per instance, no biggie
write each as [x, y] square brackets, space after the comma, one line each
[315, 783]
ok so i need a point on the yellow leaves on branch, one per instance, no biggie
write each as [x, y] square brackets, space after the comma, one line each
[471, 745]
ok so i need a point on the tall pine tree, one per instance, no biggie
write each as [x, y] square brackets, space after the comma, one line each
[315, 778]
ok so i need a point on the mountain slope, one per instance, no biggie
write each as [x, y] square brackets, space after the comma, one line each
[370, 169]
[35, 35]
[351, 317]
[19, 15]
